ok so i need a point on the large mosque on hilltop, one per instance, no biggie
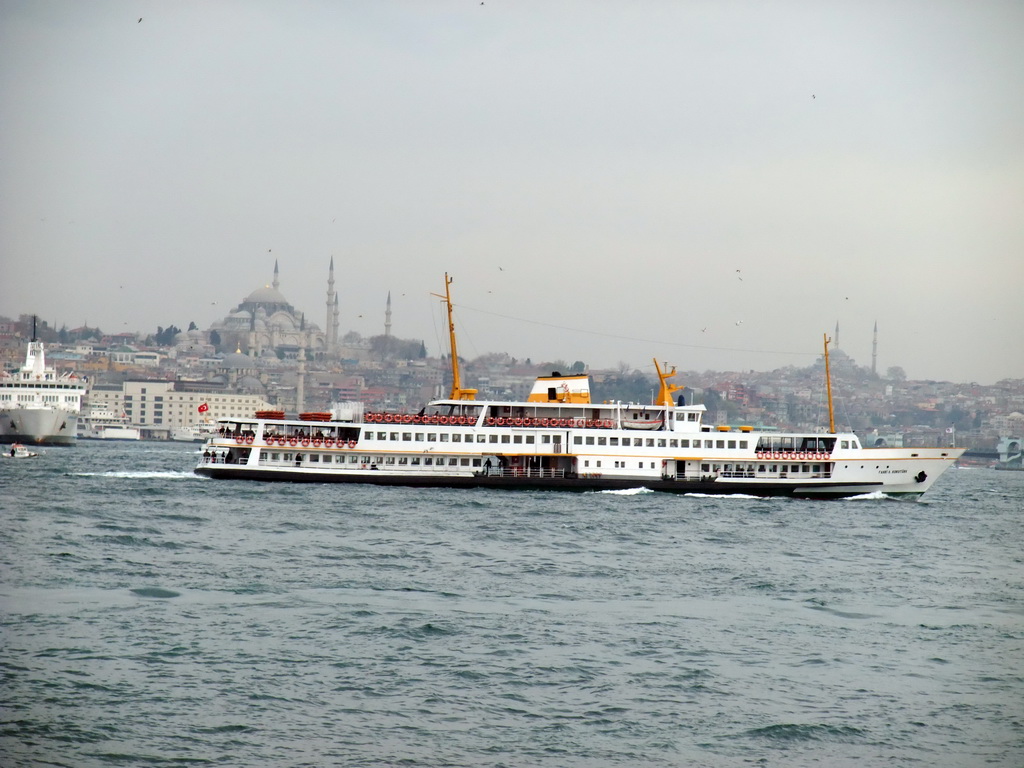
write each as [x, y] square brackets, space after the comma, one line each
[266, 324]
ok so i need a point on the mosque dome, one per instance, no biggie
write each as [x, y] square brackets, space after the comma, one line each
[238, 360]
[265, 295]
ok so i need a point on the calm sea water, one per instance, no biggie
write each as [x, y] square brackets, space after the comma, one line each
[151, 617]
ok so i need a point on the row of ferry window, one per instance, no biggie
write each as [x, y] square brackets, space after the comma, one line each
[661, 442]
[414, 461]
[635, 442]
[31, 398]
[444, 437]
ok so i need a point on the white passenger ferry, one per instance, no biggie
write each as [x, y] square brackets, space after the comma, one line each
[38, 405]
[558, 439]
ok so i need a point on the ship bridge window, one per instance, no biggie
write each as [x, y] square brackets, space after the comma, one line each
[419, 436]
[505, 438]
[481, 438]
[602, 441]
[456, 438]
[444, 437]
[577, 440]
[673, 443]
[517, 438]
[530, 440]
[684, 443]
[406, 436]
[613, 441]
[691, 417]
[732, 443]
[493, 438]
[394, 436]
[590, 440]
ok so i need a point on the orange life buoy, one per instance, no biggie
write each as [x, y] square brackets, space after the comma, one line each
[305, 442]
[490, 421]
[249, 440]
[239, 439]
[293, 441]
[328, 442]
[317, 442]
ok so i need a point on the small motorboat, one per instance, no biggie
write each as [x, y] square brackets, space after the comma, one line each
[19, 451]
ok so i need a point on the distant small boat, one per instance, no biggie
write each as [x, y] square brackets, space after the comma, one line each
[196, 433]
[101, 423]
[19, 451]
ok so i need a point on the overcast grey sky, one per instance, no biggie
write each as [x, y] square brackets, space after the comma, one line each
[712, 183]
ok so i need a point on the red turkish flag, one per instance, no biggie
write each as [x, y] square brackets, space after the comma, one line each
[204, 408]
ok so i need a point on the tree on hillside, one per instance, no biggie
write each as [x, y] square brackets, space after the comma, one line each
[165, 336]
[896, 373]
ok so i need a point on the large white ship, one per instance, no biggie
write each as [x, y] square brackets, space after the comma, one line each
[38, 406]
[559, 440]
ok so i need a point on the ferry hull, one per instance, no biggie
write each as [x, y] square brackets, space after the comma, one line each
[38, 426]
[526, 483]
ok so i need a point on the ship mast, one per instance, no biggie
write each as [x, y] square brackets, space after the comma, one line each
[458, 393]
[666, 390]
[828, 386]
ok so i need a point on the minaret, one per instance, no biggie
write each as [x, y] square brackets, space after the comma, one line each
[387, 317]
[874, 351]
[837, 335]
[277, 281]
[334, 328]
[331, 304]
[252, 336]
[300, 383]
